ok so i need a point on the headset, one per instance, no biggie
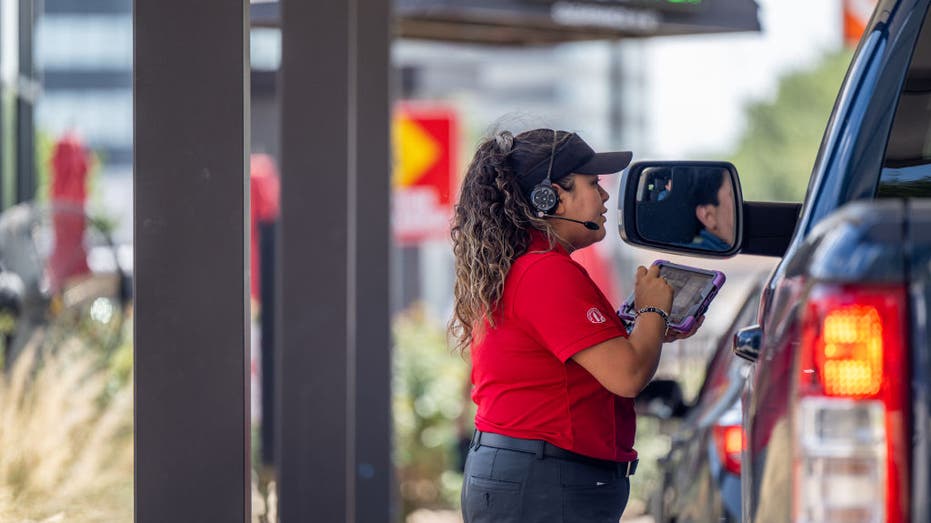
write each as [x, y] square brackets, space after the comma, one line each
[543, 196]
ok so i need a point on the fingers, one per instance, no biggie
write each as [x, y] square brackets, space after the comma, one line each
[652, 290]
[654, 273]
[651, 273]
[673, 335]
[694, 328]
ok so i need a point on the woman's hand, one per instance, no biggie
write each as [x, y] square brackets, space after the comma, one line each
[650, 290]
[676, 335]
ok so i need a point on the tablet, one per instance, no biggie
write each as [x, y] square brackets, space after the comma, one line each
[694, 289]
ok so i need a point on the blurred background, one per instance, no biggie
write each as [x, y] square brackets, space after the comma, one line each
[744, 81]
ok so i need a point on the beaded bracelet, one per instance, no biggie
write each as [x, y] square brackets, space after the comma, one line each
[662, 314]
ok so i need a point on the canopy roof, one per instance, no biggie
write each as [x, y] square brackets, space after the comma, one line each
[523, 22]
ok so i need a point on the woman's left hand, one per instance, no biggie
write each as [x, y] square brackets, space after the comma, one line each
[676, 335]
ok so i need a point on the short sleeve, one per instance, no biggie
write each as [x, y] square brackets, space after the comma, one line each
[562, 308]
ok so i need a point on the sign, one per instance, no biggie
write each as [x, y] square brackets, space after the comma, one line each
[423, 180]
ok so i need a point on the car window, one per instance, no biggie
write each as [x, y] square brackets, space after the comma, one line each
[907, 166]
[716, 376]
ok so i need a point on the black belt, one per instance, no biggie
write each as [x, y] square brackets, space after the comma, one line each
[544, 448]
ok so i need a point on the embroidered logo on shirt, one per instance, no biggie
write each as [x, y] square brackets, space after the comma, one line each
[595, 316]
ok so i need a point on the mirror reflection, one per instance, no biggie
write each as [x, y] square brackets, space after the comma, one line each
[688, 206]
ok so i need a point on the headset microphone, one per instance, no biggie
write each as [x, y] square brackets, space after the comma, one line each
[592, 226]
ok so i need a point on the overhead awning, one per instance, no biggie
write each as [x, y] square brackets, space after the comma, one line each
[523, 22]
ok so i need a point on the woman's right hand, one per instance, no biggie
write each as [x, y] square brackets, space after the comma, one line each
[651, 290]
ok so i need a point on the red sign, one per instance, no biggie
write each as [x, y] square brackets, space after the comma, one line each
[424, 174]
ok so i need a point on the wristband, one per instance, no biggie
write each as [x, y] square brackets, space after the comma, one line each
[657, 310]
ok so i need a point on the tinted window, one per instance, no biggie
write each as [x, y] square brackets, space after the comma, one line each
[907, 167]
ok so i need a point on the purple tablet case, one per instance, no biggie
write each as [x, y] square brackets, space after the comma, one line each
[714, 280]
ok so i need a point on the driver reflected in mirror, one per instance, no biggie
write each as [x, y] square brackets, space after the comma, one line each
[688, 206]
[712, 196]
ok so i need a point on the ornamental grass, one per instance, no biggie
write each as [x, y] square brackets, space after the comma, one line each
[66, 437]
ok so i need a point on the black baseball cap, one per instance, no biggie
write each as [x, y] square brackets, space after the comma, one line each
[571, 155]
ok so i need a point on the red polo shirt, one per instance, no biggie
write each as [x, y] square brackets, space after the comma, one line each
[524, 382]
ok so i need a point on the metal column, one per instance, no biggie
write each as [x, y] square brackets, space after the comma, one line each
[4, 152]
[191, 105]
[25, 106]
[370, 293]
[334, 367]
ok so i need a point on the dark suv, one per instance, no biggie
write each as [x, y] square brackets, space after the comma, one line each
[836, 408]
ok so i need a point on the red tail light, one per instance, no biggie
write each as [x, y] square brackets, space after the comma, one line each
[728, 440]
[851, 460]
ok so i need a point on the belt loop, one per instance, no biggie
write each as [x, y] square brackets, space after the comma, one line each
[476, 439]
[540, 447]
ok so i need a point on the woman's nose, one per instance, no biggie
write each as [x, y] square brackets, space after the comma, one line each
[604, 194]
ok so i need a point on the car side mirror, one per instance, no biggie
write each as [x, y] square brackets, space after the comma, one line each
[661, 399]
[684, 207]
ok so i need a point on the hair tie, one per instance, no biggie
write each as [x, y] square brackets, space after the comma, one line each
[505, 141]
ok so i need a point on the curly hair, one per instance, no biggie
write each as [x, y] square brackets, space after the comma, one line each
[491, 228]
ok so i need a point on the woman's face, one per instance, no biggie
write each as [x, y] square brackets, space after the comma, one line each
[584, 202]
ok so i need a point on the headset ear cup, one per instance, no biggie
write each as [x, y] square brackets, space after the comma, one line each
[544, 198]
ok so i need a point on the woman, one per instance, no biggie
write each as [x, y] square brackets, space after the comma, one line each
[553, 368]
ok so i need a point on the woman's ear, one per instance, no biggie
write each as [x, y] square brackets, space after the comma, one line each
[560, 206]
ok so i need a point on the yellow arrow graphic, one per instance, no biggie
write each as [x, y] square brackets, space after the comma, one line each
[415, 151]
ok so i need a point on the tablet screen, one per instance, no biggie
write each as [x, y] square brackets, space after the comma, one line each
[688, 288]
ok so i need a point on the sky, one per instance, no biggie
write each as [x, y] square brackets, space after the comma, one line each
[699, 85]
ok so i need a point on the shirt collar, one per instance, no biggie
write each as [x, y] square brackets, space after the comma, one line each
[713, 242]
[538, 242]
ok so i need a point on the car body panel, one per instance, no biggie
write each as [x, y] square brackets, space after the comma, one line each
[918, 247]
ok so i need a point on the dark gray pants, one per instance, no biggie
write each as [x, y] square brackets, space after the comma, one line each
[504, 486]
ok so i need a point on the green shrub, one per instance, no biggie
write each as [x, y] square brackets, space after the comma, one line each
[432, 413]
